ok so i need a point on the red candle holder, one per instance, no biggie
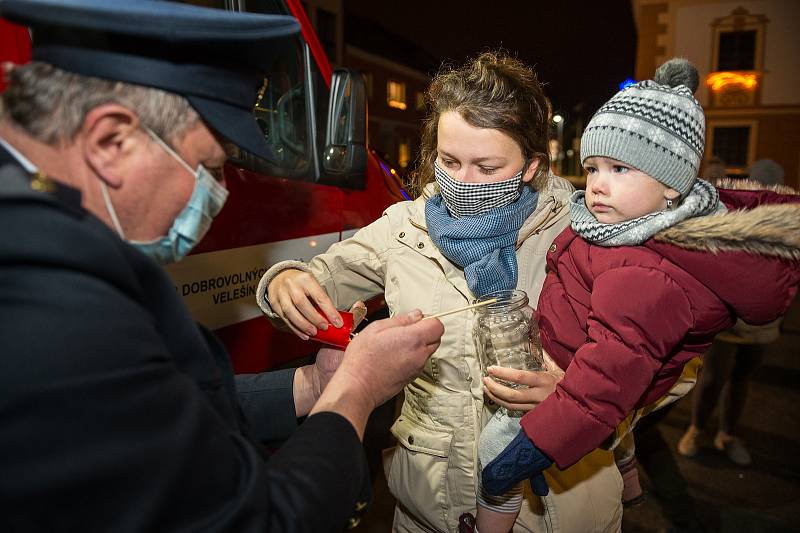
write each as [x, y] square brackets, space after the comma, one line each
[338, 337]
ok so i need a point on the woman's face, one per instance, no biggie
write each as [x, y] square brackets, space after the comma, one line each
[478, 155]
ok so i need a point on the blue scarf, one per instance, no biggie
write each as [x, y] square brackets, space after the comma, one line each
[483, 245]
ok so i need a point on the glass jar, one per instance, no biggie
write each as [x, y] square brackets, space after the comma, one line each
[506, 333]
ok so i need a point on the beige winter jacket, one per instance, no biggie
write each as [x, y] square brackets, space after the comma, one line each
[432, 472]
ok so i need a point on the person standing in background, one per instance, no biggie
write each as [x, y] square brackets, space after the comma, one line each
[730, 362]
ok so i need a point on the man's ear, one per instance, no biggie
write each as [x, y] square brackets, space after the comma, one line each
[110, 139]
[531, 170]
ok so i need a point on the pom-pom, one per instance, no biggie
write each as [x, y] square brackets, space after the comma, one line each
[678, 71]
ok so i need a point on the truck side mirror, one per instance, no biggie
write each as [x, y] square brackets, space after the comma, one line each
[344, 158]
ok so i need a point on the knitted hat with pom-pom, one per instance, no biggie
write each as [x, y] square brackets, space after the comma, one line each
[655, 126]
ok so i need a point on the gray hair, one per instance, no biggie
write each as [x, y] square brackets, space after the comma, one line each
[51, 104]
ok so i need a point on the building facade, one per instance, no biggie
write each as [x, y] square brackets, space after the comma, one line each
[748, 57]
[395, 72]
[396, 105]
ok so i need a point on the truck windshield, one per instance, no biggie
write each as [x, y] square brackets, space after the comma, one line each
[280, 108]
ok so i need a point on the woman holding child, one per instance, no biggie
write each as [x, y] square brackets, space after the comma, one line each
[486, 214]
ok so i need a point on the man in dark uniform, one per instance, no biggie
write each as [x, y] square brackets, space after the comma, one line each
[118, 412]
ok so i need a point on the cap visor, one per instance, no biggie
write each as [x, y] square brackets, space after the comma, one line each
[237, 125]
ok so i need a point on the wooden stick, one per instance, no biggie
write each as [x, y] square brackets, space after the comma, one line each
[473, 306]
[450, 312]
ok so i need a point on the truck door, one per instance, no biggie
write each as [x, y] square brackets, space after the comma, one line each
[289, 207]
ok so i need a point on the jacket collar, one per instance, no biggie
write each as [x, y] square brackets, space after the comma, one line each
[413, 233]
[759, 221]
[10, 155]
[6, 158]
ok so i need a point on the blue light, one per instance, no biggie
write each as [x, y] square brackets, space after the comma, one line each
[627, 83]
[397, 183]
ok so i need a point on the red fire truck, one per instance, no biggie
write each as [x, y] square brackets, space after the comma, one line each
[321, 186]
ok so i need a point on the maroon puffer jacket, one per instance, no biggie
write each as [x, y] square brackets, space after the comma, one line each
[623, 321]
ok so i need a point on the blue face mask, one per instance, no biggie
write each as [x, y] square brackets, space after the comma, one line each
[191, 224]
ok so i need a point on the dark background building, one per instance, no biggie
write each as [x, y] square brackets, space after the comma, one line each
[582, 51]
[397, 73]
[749, 64]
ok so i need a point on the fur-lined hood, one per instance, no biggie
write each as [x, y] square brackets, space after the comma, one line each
[749, 256]
[762, 220]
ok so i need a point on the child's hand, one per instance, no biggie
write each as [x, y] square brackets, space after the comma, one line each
[539, 386]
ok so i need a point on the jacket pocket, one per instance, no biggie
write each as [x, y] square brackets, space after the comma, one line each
[417, 472]
[418, 438]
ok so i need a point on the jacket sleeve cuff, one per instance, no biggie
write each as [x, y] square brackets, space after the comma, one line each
[578, 432]
[324, 465]
[267, 401]
[266, 279]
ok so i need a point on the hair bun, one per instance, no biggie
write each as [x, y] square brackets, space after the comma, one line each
[678, 71]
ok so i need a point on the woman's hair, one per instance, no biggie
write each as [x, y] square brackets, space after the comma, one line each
[51, 104]
[495, 91]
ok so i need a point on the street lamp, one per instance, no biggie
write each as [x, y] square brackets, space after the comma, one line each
[558, 120]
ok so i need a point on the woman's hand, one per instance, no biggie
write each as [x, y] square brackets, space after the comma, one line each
[296, 296]
[539, 386]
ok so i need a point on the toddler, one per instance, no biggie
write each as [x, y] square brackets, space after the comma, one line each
[655, 264]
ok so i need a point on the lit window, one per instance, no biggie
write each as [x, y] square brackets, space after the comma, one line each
[420, 101]
[403, 153]
[721, 80]
[396, 94]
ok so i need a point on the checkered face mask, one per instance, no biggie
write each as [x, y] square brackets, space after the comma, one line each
[473, 199]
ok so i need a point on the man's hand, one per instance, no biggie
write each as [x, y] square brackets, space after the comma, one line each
[520, 460]
[378, 363]
[538, 386]
[295, 295]
[388, 354]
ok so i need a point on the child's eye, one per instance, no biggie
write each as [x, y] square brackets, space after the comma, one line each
[619, 169]
[590, 170]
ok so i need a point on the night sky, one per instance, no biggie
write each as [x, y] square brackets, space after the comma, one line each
[582, 50]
